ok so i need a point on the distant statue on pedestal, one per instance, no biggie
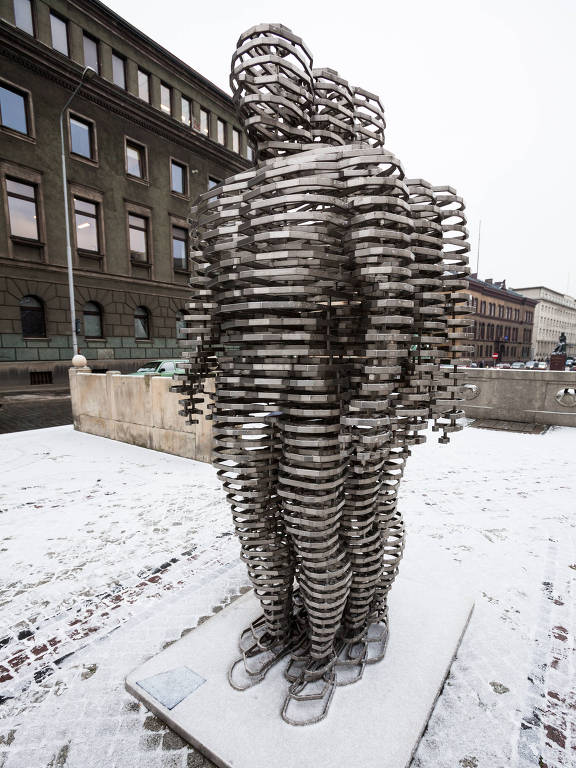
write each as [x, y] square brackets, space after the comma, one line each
[560, 348]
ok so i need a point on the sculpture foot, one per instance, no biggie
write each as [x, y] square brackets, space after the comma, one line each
[260, 652]
[309, 697]
[377, 640]
[351, 659]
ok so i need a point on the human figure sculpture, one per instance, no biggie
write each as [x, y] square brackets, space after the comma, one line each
[327, 293]
[560, 348]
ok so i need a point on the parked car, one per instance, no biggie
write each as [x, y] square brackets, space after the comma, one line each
[570, 362]
[542, 366]
[517, 365]
[531, 365]
[502, 365]
[160, 368]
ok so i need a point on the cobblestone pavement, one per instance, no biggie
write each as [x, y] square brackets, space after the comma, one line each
[20, 413]
[109, 552]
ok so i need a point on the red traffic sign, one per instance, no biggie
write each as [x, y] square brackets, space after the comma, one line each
[495, 355]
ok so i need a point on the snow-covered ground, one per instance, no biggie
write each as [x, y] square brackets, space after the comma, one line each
[109, 551]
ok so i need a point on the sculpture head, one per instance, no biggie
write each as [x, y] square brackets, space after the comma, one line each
[285, 105]
[271, 80]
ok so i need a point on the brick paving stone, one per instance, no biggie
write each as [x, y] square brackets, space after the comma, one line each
[34, 413]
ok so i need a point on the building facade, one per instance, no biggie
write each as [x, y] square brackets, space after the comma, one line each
[503, 322]
[555, 314]
[143, 137]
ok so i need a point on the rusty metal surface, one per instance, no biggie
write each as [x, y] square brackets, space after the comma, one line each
[327, 303]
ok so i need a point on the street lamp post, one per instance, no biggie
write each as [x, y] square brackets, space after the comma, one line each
[87, 72]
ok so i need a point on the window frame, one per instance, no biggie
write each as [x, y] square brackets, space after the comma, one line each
[139, 72]
[28, 110]
[32, 17]
[22, 238]
[87, 36]
[176, 223]
[116, 55]
[236, 135]
[57, 16]
[165, 87]
[205, 112]
[148, 316]
[147, 262]
[42, 309]
[135, 144]
[186, 100]
[221, 124]
[99, 313]
[93, 159]
[185, 176]
[96, 216]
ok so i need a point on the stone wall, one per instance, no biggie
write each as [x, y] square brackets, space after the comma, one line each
[139, 410]
[535, 397]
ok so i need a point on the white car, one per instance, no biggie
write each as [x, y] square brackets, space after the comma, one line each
[517, 365]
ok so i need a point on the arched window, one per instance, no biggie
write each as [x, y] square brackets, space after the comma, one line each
[32, 317]
[141, 323]
[180, 324]
[92, 320]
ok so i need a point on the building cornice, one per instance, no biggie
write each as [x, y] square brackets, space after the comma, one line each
[119, 26]
[44, 61]
[498, 293]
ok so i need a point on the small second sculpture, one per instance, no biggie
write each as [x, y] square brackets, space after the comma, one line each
[327, 302]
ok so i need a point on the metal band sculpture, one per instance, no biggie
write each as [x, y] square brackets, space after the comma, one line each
[327, 300]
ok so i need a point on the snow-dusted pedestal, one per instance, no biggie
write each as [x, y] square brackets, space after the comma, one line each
[375, 723]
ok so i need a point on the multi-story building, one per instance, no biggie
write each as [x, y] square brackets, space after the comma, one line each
[503, 322]
[143, 137]
[555, 314]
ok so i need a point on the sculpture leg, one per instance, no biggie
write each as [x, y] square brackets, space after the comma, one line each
[247, 460]
[311, 479]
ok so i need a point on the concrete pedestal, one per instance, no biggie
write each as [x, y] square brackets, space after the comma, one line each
[374, 723]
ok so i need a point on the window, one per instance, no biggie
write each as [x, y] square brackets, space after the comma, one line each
[186, 111]
[135, 160]
[22, 209]
[13, 109]
[81, 138]
[180, 247]
[59, 28]
[249, 153]
[144, 85]
[138, 235]
[483, 307]
[92, 320]
[32, 317]
[119, 70]
[141, 323]
[91, 58]
[180, 324]
[165, 98]
[211, 184]
[86, 220]
[221, 128]
[178, 177]
[204, 121]
[235, 140]
[23, 17]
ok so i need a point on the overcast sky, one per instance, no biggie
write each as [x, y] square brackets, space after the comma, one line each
[479, 94]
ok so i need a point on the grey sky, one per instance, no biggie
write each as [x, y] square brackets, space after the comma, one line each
[478, 94]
